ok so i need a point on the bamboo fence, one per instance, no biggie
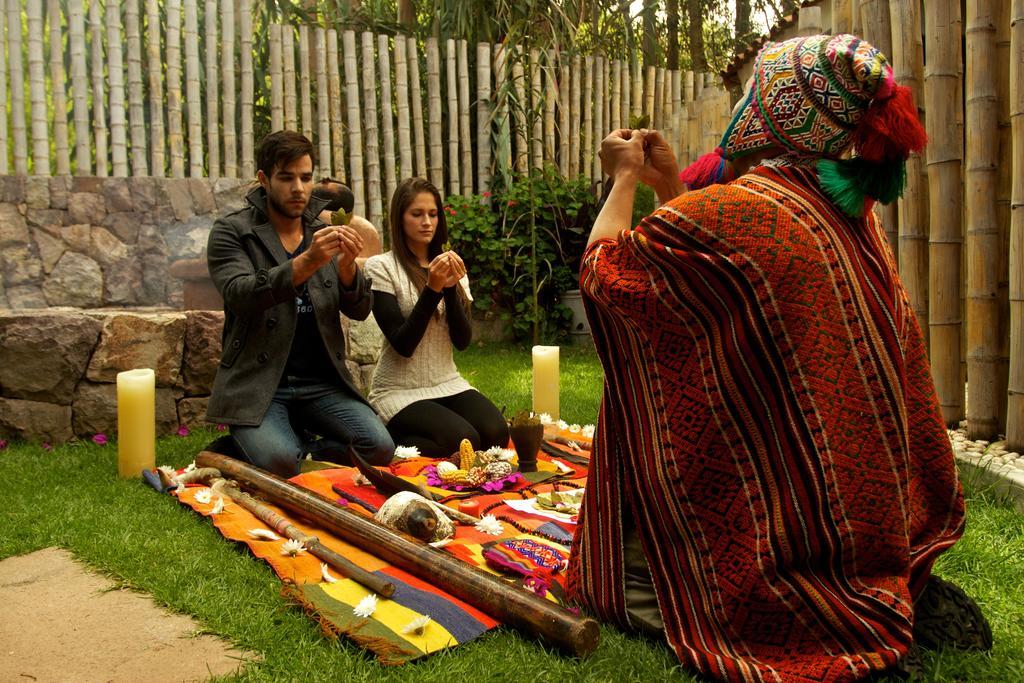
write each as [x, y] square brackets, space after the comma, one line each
[144, 87]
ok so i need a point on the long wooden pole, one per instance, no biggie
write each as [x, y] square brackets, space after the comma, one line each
[291, 107]
[536, 108]
[599, 122]
[99, 112]
[405, 153]
[452, 90]
[515, 607]
[212, 90]
[575, 116]
[247, 165]
[550, 98]
[483, 116]
[588, 117]
[154, 73]
[371, 136]
[136, 103]
[229, 98]
[195, 114]
[942, 104]
[4, 167]
[1003, 197]
[520, 110]
[465, 134]
[323, 106]
[175, 130]
[355, 129]
[19, 131]
[62, 155]
[79, 90]
[305, 66]
[387, 120]
[1015, 385]
[435, 165]
[335, 102]
[276, 78]
[564, 132]
[416, 101]
[503, 146]
[37, 88]
[115, 78]
[982, 243]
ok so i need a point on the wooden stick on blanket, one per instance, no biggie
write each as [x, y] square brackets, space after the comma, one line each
[514, 606]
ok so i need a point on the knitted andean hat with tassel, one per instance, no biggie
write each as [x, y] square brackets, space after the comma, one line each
[818, 97]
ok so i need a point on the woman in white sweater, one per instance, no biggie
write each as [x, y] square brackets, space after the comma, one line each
[421, 303]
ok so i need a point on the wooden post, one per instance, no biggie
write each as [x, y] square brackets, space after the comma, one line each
[436, 163]
[37, 88]
[276, 79]
[247, 165]
[942, 103]
[154, 69]
[563, 115]
[637, 96]
[589, 147]
[305, 95]
[503, 146]
[649, 82]
[195, 115]
[519, 112]
[136, 109]
[677, 111]
[616, 87]
[115, 77]
[212, 91]
[62, 155]
[842, 16]
[658, 115]
[980, 184]
[175, 130]
[599, 124]
[371, 136]
[606, 102]
[483, 116]
[550, 98]
[574, 114]
[355, 130]
[291, 106]
[627, 98]
[79, 91]
[19, 131]
[387, 117]
[323, 107]
[1003, 198]
[99, 112]
[335, 101]
[229, 100]
[450, 63]
[402, 93]
[686, 125]
[537, 108]
[465, 136]
[417, 107]
[1015, 385]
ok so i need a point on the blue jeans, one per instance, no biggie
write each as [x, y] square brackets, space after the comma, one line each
[348, 427]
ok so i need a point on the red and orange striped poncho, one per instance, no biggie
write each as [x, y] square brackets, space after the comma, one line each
[769, 421]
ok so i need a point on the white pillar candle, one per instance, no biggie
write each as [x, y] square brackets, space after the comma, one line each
[136, 422]
[545, 380]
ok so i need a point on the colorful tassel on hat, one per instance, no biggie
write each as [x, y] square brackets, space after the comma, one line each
[707, 170]
[852, 183]
[890, 128]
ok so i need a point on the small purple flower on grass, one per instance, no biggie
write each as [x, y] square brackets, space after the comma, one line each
[99, 439]
[222, 428]
[3, 444]
[47, 446]
[182, 431]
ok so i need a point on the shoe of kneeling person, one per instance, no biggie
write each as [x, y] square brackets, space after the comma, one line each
[945, 616]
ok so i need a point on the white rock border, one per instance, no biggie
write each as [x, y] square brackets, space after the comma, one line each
[990, 463]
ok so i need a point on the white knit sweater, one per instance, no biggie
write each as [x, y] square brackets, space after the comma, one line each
[430, 372]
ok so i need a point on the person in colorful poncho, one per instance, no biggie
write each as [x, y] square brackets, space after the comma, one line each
[772, 480]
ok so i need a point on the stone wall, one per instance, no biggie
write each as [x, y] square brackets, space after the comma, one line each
[58, 368]
[104, 242]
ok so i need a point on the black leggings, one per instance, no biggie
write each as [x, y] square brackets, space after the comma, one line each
[437, 426]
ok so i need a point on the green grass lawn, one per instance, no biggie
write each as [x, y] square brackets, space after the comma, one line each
[71, 497]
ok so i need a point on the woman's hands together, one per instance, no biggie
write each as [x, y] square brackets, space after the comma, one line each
[445, 270]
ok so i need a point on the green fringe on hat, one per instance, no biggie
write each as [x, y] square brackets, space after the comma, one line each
[850, 182]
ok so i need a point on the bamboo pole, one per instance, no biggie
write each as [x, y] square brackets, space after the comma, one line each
[466, 138]
[175, 133]
[355, 130]
[637, 95]
[649, 91]
[229, 100]
[79, 91]
[115, 78]
[451, 72]
[405, 153]
[627, 98]
[323, 131]
[574, 113]
[550, 97]
[4, 164]
[982, 244]
[588, 117]
[335, 100]
[387, 117]
[291, 106]
[246, 166]
[563, 116]
[211, 90]
[599, 123]
[305, 99]
[658, 116]
[503, 146]
[136, 106]
[19, 130]
[677, 111]
[195, 114]
[37, 88]
[371, 135]
[436, 163]
[842, 16]
[276, 79]
[154, 74]
[686, 125]
[99, 112]
[605, 100]
[1003, 198]
[1015, 384]
[483, 116]
[537, 109]
[416, 100]
[941, 85]
[62, 155]
[615, 122]
[519, 111]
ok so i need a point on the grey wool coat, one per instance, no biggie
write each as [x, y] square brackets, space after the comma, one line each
[253, 273]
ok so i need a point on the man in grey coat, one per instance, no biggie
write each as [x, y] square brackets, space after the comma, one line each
[285, 275]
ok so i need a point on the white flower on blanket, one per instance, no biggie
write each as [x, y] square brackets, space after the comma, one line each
[416, 626]
[588, 431]
[403, 452]
[326, 574]
[490, 525]
[366, 607]
[218, 507]
[545, 419]
[204, 496]
[292, 548]
[263, 535]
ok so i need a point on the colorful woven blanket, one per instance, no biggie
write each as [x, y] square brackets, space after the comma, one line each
[391, 632]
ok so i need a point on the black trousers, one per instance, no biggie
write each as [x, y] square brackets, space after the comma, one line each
[437, 426]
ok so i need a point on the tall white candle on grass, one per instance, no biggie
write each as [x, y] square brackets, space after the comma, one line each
[136, 422]
[545, 380]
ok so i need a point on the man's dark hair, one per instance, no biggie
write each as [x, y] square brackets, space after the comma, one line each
[337, 194]
[282, 148]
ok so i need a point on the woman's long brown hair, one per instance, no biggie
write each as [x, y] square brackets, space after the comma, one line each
[404, 195]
